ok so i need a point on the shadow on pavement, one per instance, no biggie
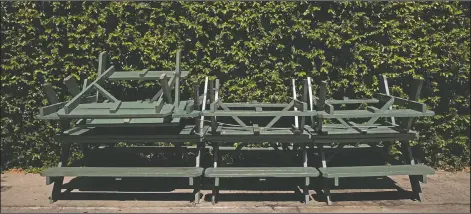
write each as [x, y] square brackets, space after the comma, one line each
[164, 189]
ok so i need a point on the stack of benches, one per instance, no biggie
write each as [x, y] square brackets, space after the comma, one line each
[101, 118]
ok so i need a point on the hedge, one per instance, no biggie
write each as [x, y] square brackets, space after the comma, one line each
[255, 48]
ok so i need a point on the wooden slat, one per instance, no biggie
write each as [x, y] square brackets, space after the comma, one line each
[50, 93]
[165, 88]
[254, 105]
[103, 63]
[366, 113]
[352, 101]
[177, 79]
[421, 107]
[240, 172]
[72, 85]
[123, 172]
[369, 171]
[150, 75]
[252, 113]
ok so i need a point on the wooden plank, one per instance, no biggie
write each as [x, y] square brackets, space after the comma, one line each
[253, 113]
[159, 105]
[351, 101]
[366, 113]
[255, 105]
[123, 172]
[329, 108]
[103, 63]
[76, 100]
[171, 85]
[311, 104]
[85, 83]
[50, 93]
[150, 75]
[421, 107]
[165, 88]
[50, 109]
[296, 118]
[243, 172]
[384, 88]
[371, 171]
[72, 85]
[321, 104]
[203, 107]
[177, 79]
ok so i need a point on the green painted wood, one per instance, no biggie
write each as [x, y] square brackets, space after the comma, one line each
[254, 105]
[50, 93]
[253, 113]
[165, 88]
[352, 101]
[150, 75]
[93, 135]
[126, 110]
[143, 72]
[366, 113]
[243, 172]
[103, 63]
[370, 171]
[116, 106]
[123, 172]
[177, 78]
[105, 93]
[72, 85]
[139, 122]
[421, 107]
[76, 100]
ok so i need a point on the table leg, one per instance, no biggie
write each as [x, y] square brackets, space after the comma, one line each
[58, 181]
[414, 180]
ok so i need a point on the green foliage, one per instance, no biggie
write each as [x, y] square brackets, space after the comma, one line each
[255, 48]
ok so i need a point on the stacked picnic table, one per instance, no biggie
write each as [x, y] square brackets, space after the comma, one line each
[95, 116]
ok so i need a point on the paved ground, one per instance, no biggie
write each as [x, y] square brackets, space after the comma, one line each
[444, 192]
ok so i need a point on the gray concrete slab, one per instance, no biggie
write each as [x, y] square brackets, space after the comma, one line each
[444, 192]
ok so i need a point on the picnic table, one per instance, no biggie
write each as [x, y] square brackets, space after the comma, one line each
[110, 121]
[306, 121]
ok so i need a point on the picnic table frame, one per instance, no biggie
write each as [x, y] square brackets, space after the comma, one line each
[95, 112]
[98, 122]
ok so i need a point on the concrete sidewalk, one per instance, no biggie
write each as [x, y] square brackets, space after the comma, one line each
[444, 192]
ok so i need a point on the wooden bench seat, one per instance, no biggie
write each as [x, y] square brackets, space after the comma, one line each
[371, 171]
[244, 172]
[122, 172]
